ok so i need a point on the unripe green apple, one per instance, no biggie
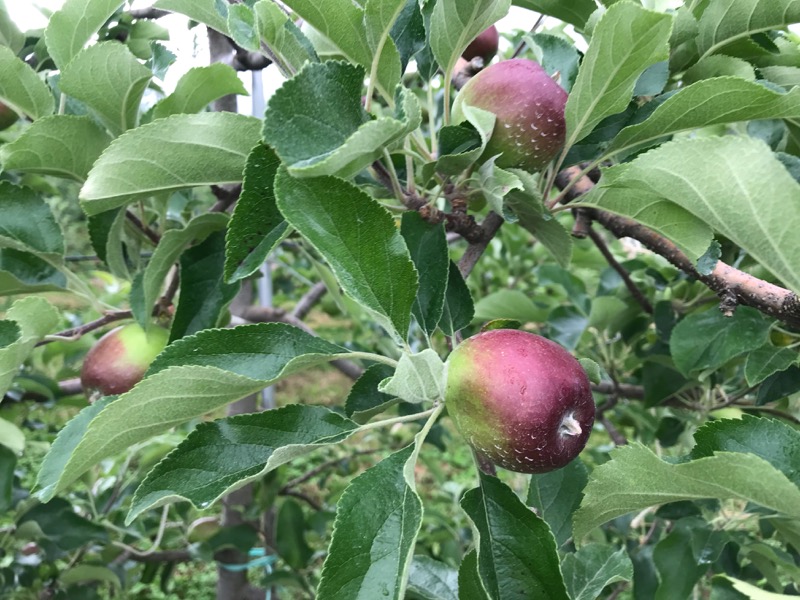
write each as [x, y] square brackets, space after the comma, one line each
[529, 105]
[485, 45]
[119, 359]
[520, 400]
[7, 116]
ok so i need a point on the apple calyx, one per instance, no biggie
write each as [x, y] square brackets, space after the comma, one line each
[520, 400]
[530, 128]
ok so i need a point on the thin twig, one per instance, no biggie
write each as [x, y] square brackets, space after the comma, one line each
[304, 497]
[74, 333]
[521, 45]
[626, 277]
[149, 233]
[613, 432]
[323, 467]
[226, 197]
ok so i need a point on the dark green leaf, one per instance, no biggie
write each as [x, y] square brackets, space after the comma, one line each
[360, 241]
[427, 246]
[709, 339]
[556, 495]
[576, 12]
[364, 400]
[566, 325]
[763, 362]
[677, 568]
[408, 32]
[21, 272]
[470, 586]
[517, 556]
[290, 539]
[779, 385]
[8, 462]
[707, 262]
[236, 450]
[557, 55]
[458, 308]
[27, 223]
[660, 382]
[594, 566]
[204, 294]
[377, 521]
[430, 579]
[62, 526]
[774, 441]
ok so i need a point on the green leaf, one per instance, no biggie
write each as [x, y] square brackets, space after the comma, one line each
[528, 208]
[236, 450]
[24, 273]
[106, 231]
[517, 556]
[26, 222]
[458, 307]
[166, 254]
[377, 521]
[198, 88]
[32, 318]
[257, 226]
[676, 565]
[359, 240]
[455, 23]
[754, 593]
[316, 124]
[204, 293]
[12, 436]
[342, 22]
[71, 27]
[575, 12]
[779, 385]
[709, 102]
[20, 86]
[592, 568]
[763, 362]
[774, 441]
[592, 368]
[727, 21]
[719, 65]
[470, 586]
[59, 524]
[636, 478]
[626, 41]
[427, 245]
[557, 57]
[556, 495]
[191, 377]
[787, 77]
[419, 378]
[494, 184]
[243, 27]
[60, 145]
[287, 43]
[191, 150]
[109, 80]
[365, 400]
[379, 18]
[431, 579]
[10, 35]
[509, 304]
[690, 233]
[290, 541]
[8, 461]
[709, 339]
[202, 11]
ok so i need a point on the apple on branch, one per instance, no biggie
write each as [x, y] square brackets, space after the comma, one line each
[120, 358]
[520, 400]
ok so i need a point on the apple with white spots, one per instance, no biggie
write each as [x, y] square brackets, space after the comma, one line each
[120, 358]
[529, 106]
[520, 400]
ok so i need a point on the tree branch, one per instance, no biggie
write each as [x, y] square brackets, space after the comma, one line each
[728, 282]
[151, 235]
[490, 226]
[626, 277]
[307, 302]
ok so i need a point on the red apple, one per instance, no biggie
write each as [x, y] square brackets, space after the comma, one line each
[520, 400]
[119, 359]
[7, 116]
[485, 45]
[529, 105]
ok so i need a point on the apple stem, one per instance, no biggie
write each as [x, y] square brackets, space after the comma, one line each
[570, 426]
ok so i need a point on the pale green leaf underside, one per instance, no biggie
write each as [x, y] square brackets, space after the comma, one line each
[21, 89]
[283, 38]
[748, 196]
[70, 28]
[10, 35]
[594, 566]
[110, 80]
[708, 102]
[626, 41]
[178, 152]
[168, 251]
[35, 318]
[636, 478]
[419, 378]
[59, 145]
[455, 23]
[725, 21]
[202, 11]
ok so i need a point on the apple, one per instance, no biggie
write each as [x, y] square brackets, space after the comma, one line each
[119, 359]
[520, 400]
[7, 116]
[485, 45]
[529, 106]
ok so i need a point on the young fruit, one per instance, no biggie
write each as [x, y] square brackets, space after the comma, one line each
[118, 360]
[529, 105]
[485, 45]
[7, 116]
[520, 400]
